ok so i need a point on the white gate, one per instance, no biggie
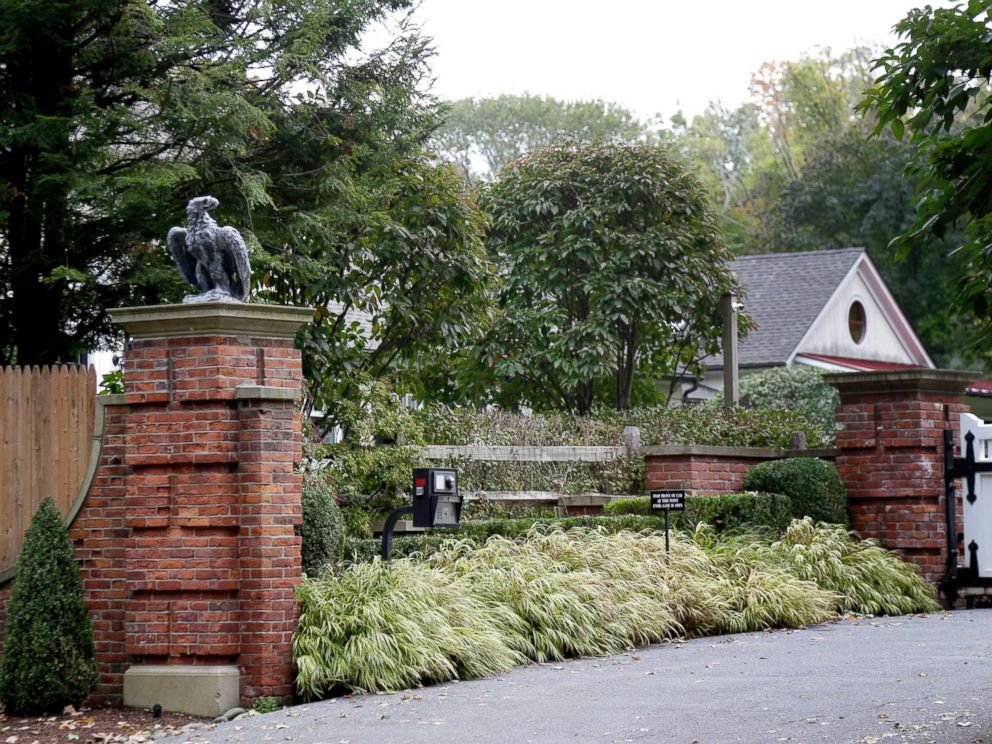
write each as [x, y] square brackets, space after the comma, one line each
[977, 501]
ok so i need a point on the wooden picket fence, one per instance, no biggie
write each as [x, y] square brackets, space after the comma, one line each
[46, 424]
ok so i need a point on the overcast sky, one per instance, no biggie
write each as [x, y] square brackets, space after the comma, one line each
[652, 56]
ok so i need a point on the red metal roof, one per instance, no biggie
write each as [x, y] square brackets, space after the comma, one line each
[862, 365]
[980, 387]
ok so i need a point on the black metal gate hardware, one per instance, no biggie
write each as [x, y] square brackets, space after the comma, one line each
[965, 467]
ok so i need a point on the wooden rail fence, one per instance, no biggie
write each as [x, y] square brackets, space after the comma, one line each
[46, 424]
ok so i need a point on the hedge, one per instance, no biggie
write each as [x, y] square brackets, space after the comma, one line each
[729, 513]
[813, 486]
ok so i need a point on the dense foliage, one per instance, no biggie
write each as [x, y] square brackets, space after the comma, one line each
[468, 611]
[376, 478]
[613, 271]
[48, 642]
[322, 529]
[813, 486]
[934, 85]
[113, 115]
[685, 425]
[797, 388]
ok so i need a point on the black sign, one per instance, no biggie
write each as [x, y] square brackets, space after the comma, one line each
[667, 500]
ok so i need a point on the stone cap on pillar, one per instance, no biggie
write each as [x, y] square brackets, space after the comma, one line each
[212, 319]
[939, 381]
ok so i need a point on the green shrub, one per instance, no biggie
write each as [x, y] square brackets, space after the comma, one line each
[265, 704]
[813, 486]
[796, 388]
[701, 425]
[473, 609]
[357, 522]
[48, 647]
[374, 479]
[731, 511]
[728, 427]
[323, 527]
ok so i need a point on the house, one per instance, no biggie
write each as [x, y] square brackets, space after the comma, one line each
[827, 309]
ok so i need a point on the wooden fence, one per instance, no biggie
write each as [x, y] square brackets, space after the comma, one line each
[46, 424]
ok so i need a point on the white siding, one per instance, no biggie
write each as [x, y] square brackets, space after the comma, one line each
[830, 334]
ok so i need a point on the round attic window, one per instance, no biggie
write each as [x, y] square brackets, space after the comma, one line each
[856, 321]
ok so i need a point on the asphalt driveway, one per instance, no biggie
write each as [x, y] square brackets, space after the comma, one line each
[865, 680]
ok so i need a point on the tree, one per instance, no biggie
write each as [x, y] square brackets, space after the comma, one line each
[113, 113]
[851, 192]
[613, 270]
[492, 132]
[798, 170]
[934, 85]
[413, 268]
[48, 644]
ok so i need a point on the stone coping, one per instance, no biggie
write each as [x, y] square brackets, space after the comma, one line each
[212, 319]
[758, 453]
[264, 392]
[942, 381]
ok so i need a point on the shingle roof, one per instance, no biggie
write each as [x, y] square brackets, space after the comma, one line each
[785, 294]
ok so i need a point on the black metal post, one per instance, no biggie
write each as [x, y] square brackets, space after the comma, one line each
[666, 534]
[387, 529]
[950, 506]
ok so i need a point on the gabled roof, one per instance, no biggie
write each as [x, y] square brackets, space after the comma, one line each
[785, 294]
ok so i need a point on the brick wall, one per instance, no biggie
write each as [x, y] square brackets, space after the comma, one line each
[710, 471]
[186, 538]
[891, 457]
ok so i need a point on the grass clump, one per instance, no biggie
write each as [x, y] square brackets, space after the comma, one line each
[470, 610]
[385, 627]
[867, 578]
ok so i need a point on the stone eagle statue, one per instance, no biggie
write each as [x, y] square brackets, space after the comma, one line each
[213, 259]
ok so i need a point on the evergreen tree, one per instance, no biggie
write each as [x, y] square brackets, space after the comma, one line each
[48, 647]
[113, 113]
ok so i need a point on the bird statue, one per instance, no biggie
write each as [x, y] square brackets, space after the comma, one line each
[213, 259]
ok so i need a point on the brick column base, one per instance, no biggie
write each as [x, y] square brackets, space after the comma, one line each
[202, 498]
[891, 458]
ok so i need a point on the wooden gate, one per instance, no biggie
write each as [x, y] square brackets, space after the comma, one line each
[46, 425]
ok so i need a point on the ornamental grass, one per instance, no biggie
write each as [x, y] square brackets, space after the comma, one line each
[467, 611]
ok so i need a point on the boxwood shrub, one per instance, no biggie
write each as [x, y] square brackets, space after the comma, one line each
[813, 486]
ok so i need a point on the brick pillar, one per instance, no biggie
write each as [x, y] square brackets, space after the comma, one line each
[211, 498]
[891, 457]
